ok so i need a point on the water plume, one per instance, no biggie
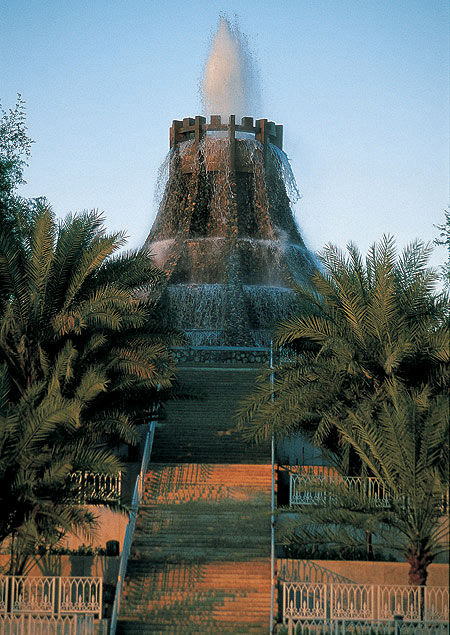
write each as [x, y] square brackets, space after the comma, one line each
[230, 82]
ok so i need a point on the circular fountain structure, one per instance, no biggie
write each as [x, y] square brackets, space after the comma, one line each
[225, 233]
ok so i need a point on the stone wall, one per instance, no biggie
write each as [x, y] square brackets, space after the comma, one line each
[348, 571]
[222, 355]
[106, 567]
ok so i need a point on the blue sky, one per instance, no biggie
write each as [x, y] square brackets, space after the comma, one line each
[361, 87]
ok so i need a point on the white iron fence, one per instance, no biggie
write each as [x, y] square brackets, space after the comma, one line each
[45, 625]
[310, 488]
[362, 627]
[333, 601]
[48, 595]
[97, 487]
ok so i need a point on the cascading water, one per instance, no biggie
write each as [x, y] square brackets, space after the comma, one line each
[226, 236]
[225, 233]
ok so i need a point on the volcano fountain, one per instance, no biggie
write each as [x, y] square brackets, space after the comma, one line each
[203, 557]
[225, 232]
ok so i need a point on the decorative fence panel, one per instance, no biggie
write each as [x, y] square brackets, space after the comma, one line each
[46, 625]
[48, 595]
[400, 600]
[306, 600]
[80, 595]
[310, 488]
[97, 487]
[337, 601]
[354, 601]
[4, 594]
[364, 627]
[33, 595]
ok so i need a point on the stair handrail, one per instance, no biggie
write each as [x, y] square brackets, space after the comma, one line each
[135, 502]
[273, 572]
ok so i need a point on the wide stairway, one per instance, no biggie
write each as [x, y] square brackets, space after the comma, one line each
[200, 560]
[202, 429]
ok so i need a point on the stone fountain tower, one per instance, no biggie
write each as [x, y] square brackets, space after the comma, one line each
[202, 559]
[225, 233]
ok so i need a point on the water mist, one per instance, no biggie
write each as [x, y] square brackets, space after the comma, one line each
[230, 83]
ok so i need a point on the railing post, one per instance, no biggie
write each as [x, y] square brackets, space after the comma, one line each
[57, 598]
[398, 620]
[290, 490]
[272, 510]
[378, 611]
[8, 587]
[99, 590]
[13, 593]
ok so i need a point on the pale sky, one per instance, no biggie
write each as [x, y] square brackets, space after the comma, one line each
[361, 87]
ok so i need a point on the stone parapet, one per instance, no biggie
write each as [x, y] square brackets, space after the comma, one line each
[222, 355]
[190, 128]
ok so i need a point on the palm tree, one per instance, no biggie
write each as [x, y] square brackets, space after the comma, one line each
[359, 326]
[78, 315]
[362, 328]
[406, 448]
[41, 443]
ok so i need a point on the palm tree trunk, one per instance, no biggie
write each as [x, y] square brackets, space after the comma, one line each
[370, 551]
[418, 560]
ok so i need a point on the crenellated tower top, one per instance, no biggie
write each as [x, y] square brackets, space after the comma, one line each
[263, 130]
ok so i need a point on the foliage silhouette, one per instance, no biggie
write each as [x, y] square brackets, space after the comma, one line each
[80, 344]
[371, 338]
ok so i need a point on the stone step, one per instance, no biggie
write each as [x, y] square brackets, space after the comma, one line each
[200, 556]
[190, 474]
[204, 428]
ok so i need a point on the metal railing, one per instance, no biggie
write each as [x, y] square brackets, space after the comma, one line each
[272, 513]
[45, 625]
[338, 601]
[51, 595]
[97, 487]
[137, 496]
[364, 627]
[310, 489]
[217, 337]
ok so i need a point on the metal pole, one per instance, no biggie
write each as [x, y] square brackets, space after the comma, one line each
[272, 513]
[126, 548]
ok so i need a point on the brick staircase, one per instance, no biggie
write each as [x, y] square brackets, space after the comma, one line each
[202, 430]
[200, 560]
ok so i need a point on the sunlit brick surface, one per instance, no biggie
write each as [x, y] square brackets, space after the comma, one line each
[200, 559]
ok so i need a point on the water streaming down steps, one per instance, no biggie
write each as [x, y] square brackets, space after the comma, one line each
[200, 559]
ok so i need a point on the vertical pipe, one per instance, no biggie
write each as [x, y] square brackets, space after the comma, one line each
[232, 138]
[272, 512]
